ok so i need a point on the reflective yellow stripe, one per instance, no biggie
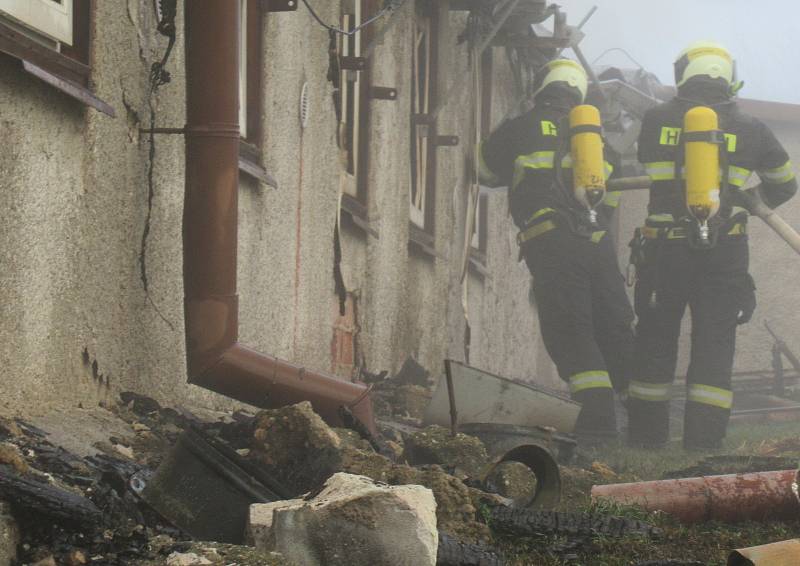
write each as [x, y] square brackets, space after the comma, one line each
[597, 236]
[589, 380]
[539, 213]
[651, 233]
[782, 174]
[534, 231]
[566, 162]
[737, 176]
[708, 395]
[739, 229]
[677, 233]
[609, 169]
[660, 170]
[660, 218]
[536, 160]
[612, 199]
[643, 391]
[485, 174]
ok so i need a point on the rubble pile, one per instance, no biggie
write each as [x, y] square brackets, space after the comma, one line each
[310, 494]
[296, 447]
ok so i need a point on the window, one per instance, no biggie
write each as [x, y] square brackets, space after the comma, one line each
[480, 234]
[352, 107]
[51, 38]
[250, 33]
[50, 18]
[423, 130]
[350, 94]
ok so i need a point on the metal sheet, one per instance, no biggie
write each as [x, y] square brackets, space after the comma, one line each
[482, 397]
[784, 553]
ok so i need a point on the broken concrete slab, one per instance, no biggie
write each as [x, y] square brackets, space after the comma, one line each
[9, 536]
[356, 521]
[464, 454]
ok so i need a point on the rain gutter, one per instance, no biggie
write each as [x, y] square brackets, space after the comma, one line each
[214, 357]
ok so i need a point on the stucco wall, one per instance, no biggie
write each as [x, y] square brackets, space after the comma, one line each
[73, 203]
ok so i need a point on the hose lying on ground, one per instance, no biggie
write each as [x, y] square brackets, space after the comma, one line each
[528, 522]
[452, 552]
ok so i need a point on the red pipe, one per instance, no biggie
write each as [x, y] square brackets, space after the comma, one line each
[214, 358]
[730, 498]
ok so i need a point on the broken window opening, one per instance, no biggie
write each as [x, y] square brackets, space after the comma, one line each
[423, 130]
[480, 232]
[353, 105]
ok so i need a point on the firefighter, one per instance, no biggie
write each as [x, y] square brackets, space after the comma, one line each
[584, 312]
[699, 150]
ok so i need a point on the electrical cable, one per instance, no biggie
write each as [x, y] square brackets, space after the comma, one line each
[623, 51]
[390, 6]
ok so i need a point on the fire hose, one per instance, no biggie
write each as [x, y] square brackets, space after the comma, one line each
[753, 204]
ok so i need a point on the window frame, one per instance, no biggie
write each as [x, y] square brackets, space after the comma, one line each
[355, 118]
[68, 70]
[423, 130]
[479, 242]
[250, 91]
[53, 21]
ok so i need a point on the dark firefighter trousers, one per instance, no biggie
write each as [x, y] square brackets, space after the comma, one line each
[714, 283]
[586, 320]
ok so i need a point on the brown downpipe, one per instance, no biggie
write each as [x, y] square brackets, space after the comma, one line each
[215, 360]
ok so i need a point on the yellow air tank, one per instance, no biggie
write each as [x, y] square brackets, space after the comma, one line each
[702, 166]
[588, 173]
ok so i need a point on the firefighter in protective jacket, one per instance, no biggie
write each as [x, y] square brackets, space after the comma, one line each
[584, 312]
[699, 259]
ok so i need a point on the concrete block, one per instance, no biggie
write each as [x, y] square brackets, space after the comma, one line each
[356, 521]
[259, 524]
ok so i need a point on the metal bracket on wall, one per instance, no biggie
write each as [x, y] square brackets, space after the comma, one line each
[279, 5]
[448, 141]
[382, 93]
[162, 131]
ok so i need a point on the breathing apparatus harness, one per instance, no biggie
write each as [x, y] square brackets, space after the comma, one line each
[708, 208]
[577, 206]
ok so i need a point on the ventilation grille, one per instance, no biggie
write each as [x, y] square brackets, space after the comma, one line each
[305, 109]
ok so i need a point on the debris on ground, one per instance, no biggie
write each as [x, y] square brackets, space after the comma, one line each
[9, 535]
[84, 505]
[454, 552]
[464, 456]
[298, 449]
[356, 521]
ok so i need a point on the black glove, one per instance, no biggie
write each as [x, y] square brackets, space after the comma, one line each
[747, 300]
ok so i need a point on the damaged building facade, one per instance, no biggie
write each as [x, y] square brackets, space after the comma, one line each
[354, 188]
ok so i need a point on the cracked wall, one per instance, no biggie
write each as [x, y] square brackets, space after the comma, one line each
[75, 323]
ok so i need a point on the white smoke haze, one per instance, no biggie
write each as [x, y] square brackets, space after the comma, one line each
[761, 34]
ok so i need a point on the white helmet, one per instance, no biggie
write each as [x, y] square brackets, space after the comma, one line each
[708, 59]
[566, 71]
